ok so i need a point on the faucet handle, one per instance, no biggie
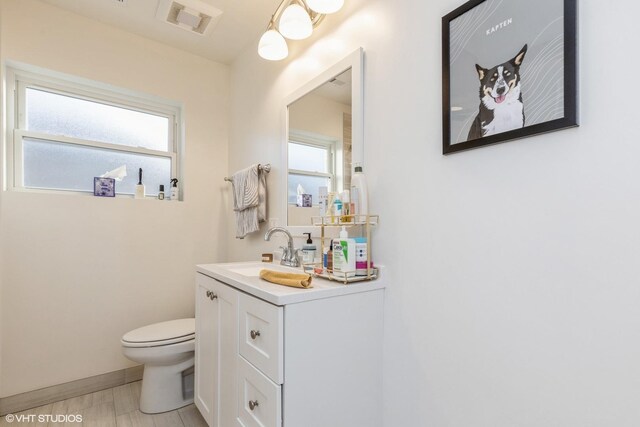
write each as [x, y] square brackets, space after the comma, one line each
[296, 258]
[285, 252]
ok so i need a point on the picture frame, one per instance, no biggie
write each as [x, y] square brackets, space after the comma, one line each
[509, 71]
[104, 187]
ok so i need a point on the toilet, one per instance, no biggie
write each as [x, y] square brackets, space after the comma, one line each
[167, 351]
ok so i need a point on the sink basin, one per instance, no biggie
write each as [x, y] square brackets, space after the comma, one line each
[253, 270]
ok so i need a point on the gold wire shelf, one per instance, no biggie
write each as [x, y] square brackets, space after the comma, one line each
[367, 221]
[336, 220]
[339, 276]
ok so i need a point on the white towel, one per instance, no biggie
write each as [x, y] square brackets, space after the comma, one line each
[249, 199]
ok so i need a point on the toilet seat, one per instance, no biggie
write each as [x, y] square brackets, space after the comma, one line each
[161, 334]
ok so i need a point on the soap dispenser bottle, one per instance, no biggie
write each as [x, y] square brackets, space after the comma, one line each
[308, 250]
[344, 254]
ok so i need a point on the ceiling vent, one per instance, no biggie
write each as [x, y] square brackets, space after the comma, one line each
[192, 15]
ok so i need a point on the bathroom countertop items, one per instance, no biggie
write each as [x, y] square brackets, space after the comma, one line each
[249, 199]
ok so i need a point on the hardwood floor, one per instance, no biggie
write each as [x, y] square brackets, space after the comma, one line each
[114, 407]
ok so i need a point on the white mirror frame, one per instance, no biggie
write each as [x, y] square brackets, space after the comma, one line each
[355, 62]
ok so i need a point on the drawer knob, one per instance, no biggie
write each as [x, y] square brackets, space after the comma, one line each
[208, 294]
[213, 296]
[253, 404]
[254, 335]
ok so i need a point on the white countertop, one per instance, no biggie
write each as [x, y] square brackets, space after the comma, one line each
[245, 277]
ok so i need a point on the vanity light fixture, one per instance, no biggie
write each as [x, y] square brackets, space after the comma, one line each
[272, 45]
[296, 20]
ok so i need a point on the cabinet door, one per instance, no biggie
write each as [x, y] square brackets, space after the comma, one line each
[206, 356]
[216, 351]
[261, 336]
[259, 398]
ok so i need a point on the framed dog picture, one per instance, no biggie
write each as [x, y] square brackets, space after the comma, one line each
[509, 71]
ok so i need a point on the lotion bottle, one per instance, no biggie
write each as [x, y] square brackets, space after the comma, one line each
[344, 254]
[359, 193]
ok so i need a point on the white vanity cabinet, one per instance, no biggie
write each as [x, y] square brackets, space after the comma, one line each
[291, 357]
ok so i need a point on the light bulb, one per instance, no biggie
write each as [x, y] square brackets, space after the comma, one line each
[325, 6]
[295, 23]
[272, 46]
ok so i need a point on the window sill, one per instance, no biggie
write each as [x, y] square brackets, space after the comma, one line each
[83, 194]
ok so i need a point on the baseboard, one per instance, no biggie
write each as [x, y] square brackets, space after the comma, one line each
[56, 393]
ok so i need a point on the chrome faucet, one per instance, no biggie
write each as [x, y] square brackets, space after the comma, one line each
[289, 254]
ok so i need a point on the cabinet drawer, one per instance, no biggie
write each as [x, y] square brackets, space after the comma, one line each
[259, 398]
[261, 336]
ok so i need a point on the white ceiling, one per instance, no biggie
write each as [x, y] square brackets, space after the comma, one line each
[241, 24]
[338, 89]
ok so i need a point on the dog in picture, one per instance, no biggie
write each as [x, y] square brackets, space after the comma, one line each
[501, 105]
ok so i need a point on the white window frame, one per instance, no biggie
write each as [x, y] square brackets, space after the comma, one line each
[312, 140]
[19, 79]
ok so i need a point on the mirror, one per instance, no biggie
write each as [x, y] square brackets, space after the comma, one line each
[323, 138]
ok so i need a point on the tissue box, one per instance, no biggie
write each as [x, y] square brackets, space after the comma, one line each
[304, 200]
[104, 187]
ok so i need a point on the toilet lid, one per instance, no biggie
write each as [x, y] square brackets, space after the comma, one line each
[173, 331]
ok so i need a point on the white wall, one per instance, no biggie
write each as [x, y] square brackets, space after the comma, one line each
[78, 272]
[513, 269]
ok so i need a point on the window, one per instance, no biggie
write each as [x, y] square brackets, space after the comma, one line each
[311, 165]
[64, 134]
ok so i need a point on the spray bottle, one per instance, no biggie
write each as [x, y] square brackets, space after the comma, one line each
[175, 191]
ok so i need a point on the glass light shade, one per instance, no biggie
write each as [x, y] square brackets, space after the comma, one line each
[295, 23]
[325, 6]
[273, 46]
